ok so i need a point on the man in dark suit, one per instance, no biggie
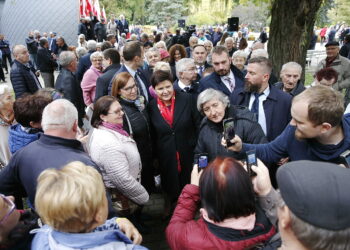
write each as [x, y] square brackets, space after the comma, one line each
[290, 76]
[187, 76]
[123, 25]
[84, 61]
[68, 85]
[112, 61]
[133, 54]
[23, 76]
[199, 55]
[271, 105]
[46, 63]
[225, 77]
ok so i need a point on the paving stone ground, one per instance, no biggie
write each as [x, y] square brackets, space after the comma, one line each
[155, 240]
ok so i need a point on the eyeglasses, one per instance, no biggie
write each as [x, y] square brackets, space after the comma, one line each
[116, 112]
[97, 60]
[128, 89]
[10, 205]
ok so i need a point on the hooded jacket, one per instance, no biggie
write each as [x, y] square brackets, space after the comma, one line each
[106, 236]
[18, 137]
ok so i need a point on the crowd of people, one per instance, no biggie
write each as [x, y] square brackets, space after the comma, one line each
[81, 154]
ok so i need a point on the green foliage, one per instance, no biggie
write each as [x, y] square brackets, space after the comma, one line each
[165, 12]
[204, 18]
[322, 18]
[255, 16]
[340, 12]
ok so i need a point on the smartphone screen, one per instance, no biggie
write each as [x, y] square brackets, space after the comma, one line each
[203, 161]
[251, 160]
[229, 130]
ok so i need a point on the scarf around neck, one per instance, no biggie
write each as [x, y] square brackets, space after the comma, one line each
[167, 112]
[115, 127]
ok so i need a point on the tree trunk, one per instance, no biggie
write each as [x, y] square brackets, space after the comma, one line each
[292, 23]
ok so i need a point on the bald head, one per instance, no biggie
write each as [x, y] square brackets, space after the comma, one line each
[60, 118]
[20, 53]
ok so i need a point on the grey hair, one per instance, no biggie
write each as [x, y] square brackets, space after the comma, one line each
[81, 51]
[161, 43]
[91, 45]
[153, 50]
[66, 57]
[16, 49]
[193, 38]
[96, 54]
[59, 114]
[229, 39]
[209, 95]
[292, 65]
[315, 238]
[240, 53]
[4, 89]
[182, 65]
[259, 53]
[162, 66]
[208, 41]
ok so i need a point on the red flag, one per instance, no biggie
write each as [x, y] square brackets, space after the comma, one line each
[88, 8]
[103, 14]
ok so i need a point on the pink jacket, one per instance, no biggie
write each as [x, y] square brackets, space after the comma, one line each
[88, 84]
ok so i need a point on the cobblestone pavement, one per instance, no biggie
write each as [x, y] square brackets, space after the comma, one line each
[155, 240]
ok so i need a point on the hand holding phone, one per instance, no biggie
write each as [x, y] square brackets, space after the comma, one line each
[229, 130]
[251, 160]
[201, 160]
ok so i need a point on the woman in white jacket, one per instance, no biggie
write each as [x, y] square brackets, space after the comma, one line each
[116, 154]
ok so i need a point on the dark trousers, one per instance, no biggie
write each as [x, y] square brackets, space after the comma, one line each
[2, 75]
[4, 61]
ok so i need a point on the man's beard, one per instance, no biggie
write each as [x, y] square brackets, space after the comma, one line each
[223, 72]
[251, 88]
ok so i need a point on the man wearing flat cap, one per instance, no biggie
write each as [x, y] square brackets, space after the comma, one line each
[318, 131]
[341, 65]
[314, 211]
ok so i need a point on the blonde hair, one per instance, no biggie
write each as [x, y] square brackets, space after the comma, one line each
[67, 199]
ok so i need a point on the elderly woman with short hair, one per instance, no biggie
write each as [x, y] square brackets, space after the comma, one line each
[239, 59]
[215, 105]
[88, 84]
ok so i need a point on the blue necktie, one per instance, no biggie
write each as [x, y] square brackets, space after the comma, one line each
[255, 106]
[200, 71]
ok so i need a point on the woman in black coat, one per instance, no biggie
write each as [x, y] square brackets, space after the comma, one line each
[136, 123]
[215, 106]
[176, 122]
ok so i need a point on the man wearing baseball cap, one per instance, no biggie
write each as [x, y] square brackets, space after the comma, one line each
[340, 64]
[315, 213]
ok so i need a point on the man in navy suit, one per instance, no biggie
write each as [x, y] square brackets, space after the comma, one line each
[199, 55]
[225, 77]
[133, 54]
[271, 105]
